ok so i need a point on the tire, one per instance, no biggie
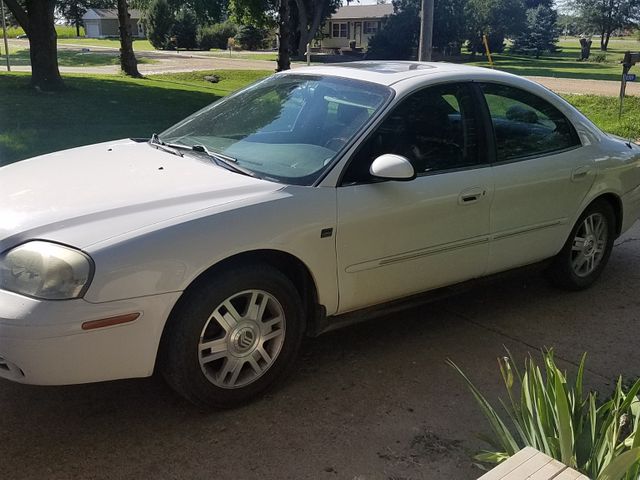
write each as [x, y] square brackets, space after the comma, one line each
[232, 336]
[587, 250]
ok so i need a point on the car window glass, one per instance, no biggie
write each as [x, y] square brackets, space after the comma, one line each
[435, 129]
[287, 128]
[526, 125]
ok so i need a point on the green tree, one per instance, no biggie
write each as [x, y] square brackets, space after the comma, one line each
[398, 38]
[250, 37]
[206, 11]
[540, 33]
[495, 18]
[158, 21]
[185, 29]
[606, 16]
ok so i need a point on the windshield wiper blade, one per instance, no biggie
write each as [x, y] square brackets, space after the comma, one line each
[222, 160]
[165, 147]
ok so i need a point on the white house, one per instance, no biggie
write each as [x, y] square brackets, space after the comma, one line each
[354, 23]
[103, 22]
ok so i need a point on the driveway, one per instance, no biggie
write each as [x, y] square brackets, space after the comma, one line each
[167, 61]
[374, 401]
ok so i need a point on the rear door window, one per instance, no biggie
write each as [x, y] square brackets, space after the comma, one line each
[526, 125]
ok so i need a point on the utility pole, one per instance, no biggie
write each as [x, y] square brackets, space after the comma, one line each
[4, 33]
[426, 31]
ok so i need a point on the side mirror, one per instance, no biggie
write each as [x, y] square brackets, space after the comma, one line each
[392, 167]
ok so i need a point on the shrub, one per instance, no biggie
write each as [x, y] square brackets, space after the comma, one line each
[250, 37]
[185, 29]
[158, 21]
[600, 439]
[216, 36]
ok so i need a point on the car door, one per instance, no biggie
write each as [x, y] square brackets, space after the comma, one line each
[541, 174]
[397, 238]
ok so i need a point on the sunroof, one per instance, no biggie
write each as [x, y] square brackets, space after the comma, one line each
[387, 67]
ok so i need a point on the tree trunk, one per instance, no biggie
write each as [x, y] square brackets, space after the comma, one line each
[43, 50]
[607, 37]
[128, 62]
[284, 33]
[306, 35]
[585, 48]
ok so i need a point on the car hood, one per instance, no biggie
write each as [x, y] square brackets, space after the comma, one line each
[104, 190]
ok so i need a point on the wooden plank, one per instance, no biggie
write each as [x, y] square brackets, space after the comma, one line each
[550, 470]
[568, 474]
[528, 468]
[510, 464]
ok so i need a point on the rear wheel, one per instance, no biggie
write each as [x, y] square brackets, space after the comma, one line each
[587, 250]
[233, 336]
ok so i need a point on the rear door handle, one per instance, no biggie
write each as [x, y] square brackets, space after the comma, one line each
[580, 173]
[471, 195]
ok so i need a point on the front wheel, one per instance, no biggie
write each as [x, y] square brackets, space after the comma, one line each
[587, 250]
[232, 336]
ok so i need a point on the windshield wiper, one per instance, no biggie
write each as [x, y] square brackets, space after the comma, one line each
[220, 159]
[225, 161]
[165, 147]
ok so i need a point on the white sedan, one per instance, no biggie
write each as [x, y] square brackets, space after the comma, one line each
[310, 199]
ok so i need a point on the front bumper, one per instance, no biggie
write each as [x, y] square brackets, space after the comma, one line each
[42, 342]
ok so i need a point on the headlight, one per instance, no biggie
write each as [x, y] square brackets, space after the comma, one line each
[45, 270]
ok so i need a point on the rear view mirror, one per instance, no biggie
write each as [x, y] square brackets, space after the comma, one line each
[392, 167]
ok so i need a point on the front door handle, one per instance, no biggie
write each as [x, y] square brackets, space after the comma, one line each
[580, 173]
[471, 195]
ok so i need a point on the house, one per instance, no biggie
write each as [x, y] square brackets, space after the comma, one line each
[354, 23]
[103, 22]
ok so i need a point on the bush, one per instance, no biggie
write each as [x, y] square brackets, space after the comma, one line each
[185, 29]
[216, 36]
[158, 22]
[250, 37]
[556, 417]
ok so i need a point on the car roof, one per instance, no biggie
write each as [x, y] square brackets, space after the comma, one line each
[391, 72]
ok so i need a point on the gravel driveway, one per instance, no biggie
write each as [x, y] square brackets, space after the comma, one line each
[374, 401]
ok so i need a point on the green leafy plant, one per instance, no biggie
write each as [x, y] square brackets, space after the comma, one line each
[557, 417]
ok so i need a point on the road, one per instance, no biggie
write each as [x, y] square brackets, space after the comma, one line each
[374, 401]
[166, 61]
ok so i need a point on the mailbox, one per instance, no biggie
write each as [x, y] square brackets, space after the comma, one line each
[629, 60]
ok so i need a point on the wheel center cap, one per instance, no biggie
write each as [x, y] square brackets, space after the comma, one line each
[243, 339]
[589, 246]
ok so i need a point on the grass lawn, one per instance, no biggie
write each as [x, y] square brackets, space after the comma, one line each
[70, 58]
[97, 108]
[565, 64]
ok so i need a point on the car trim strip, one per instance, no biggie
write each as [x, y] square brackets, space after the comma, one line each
[447, 247]
[442, 248]
[528, 229]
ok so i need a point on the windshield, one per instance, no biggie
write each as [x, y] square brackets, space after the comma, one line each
[287, 128]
